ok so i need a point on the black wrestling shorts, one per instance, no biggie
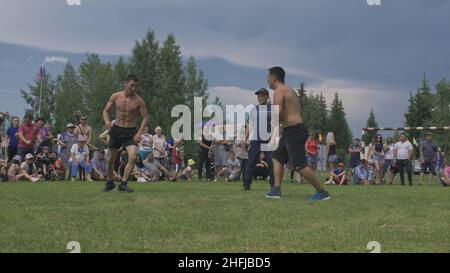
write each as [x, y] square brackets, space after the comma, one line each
[291, 147]
[121, 136]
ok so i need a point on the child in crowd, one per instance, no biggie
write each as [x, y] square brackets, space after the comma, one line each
[15, 173]
[445, 180]
[188, 172]
[231, 171]
[338, 175]
[30, 167]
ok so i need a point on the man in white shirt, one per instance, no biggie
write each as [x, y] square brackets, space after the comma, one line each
[79, 160]
[403, 151]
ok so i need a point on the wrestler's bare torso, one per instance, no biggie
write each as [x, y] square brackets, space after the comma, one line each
[287, 99]
[127, 108]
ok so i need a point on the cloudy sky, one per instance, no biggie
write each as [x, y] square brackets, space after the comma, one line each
[373, 56]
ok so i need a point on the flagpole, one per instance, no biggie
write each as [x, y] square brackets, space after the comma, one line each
[40, 92]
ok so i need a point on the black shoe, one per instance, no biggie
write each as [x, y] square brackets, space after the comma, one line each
[109, 186]
[246, 188]
[125, 188]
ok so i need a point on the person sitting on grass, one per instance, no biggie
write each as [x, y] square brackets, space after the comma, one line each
[363, 174]
[15, 173]
[3, 165]
[155, 170]
[445, 180]
[56, 169]
[30, 167]
[262, 168]
[79, 160]
[231, 171]
[43, 162]
[140, 172]
[338, 176]
[188, 172]
[99, 164]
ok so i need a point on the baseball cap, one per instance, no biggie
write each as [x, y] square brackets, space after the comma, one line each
[70, 125]
[29, 156]
[263, 91]
[18, 158]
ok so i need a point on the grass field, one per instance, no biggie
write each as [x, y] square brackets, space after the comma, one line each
[220, 217]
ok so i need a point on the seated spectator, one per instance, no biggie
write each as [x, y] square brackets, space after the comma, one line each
[262, 168]
[43, 162]
[80, 161]
[338, 176]
[30, 167]
[15, 173]
[155, 170]
[363, 174]
[188, 172]
[56, 169]
[445, 180]
[231, 171]
[99, 164]
[139, 171]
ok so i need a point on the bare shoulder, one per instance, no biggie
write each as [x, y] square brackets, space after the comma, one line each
[116, 95]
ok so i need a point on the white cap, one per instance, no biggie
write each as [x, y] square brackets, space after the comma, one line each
[29, 156]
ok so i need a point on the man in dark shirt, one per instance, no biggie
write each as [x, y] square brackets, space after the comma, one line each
[428, 152]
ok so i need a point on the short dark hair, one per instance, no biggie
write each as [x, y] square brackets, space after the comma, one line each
[278, 72]
[40, 118]
[131, 77]
[28, 116]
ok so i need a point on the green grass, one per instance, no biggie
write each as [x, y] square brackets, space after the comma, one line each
[220, 217]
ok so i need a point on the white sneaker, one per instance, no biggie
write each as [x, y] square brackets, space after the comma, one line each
[141, 179]
[35, 179]
[329, 182]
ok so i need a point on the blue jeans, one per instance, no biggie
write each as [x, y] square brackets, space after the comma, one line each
[82, 166]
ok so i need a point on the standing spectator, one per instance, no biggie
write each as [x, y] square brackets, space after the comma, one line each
[363, 174]
[83, 129]
[145, 146]
[29, 135]
[241, 150]
[99, 164]
[376, 152]
[439, 161]
[260, 123]
[355, 153]
[312, 152]
[205, 147]
[13, 141]
[159, 145]
[403, 151]
[44, 132]
[331, 152]
[79, 160]
[220, 150]
[65, 141]
[338, 176]
[428, 152]
[16, 173]
[388, 158]
[3, 117]
[176, 157]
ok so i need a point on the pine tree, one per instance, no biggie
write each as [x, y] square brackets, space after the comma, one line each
[371, 123]
[339, 126]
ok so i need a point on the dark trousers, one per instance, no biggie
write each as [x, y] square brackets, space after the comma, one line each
[260, 172]
[253, 158]
[404, 164]
[243, 162]
[24, 151]
[204, 160]
[12, 151]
